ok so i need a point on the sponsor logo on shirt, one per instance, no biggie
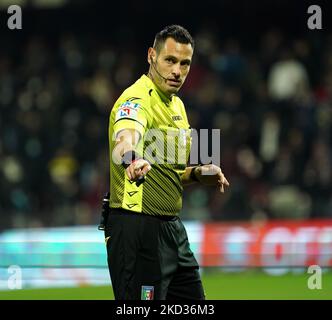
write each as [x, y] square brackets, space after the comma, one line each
[127, 110]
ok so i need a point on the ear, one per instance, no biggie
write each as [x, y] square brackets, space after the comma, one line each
[151, 54]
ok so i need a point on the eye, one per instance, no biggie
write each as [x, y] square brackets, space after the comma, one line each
[170, 60]
[185, 63]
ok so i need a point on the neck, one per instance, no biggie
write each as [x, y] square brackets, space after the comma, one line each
[152, 77]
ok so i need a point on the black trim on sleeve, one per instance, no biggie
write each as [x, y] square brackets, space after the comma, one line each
[128, 119]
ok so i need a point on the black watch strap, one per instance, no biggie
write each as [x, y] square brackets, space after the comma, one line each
[128, 157]
[193, 176]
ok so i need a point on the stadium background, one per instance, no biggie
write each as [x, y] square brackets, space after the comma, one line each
[259, 74]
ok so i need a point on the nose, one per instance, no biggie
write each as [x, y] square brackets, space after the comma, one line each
[176, 72]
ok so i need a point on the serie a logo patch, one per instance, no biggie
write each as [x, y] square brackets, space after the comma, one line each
[147, 293]
[127, 110]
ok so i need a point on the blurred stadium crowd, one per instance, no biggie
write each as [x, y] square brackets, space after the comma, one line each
[272, 102]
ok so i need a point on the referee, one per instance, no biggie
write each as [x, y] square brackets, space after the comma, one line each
[147, 245]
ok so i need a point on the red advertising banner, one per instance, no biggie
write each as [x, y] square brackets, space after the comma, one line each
[276, 244]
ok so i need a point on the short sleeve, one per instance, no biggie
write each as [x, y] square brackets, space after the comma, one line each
[130, 115]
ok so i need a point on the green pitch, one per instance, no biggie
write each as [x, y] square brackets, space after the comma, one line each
[218, 286]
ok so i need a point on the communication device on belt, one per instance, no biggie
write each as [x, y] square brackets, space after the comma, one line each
[104, 212]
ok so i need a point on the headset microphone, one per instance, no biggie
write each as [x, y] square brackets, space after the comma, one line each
[154, 67]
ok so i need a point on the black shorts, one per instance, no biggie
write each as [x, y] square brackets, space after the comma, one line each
[149, 258]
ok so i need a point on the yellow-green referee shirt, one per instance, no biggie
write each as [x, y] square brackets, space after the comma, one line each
[165, 143]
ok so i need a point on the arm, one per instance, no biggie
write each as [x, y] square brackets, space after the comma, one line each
[208, 175]
[126, 142]
[187, 177]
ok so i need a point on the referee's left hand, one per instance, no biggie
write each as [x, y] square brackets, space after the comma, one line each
[211, 175]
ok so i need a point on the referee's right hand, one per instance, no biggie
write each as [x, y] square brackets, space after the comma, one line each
[137, 169]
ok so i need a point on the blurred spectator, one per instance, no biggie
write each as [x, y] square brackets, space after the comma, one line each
[273, 106]
[288, 78]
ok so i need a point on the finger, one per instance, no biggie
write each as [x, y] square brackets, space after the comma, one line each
[133, 174]
[145, 168]
[227, 183]
[138, 174]
[224, 180]
[221, 177]
[222, 188]
[144, 171]
[223, 184]
[128, 173]
[137, 170]
[139, 164]
[220, 174]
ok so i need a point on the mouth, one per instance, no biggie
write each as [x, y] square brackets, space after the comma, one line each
[174, 82]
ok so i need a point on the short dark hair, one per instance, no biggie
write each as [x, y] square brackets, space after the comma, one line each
[178, 33]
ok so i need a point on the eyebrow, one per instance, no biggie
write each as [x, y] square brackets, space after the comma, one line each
[188, 61]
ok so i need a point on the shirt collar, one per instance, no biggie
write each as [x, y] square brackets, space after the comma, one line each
[152, 85]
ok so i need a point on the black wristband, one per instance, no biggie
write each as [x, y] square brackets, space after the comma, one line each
[128, 158]
[192, 175]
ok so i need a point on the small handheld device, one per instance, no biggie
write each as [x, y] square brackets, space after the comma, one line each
[104, 212]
